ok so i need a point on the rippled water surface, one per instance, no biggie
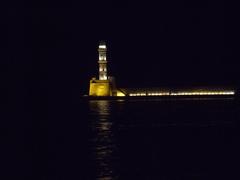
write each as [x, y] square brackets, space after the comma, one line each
[163, 139]
[123, 140]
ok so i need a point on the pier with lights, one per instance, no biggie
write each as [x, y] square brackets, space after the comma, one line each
[201, 92]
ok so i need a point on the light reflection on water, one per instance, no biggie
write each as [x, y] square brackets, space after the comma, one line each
[103, 140]
[147, 139]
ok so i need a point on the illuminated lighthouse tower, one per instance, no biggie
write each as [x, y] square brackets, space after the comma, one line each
[102, 61]
[105, 85]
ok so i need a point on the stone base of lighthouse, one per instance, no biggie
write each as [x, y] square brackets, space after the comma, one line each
[100, 88]
[104, 87]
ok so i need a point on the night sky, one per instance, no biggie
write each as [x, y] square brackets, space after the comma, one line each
[52, 46]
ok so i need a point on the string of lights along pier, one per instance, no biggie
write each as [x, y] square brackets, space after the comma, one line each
[106, 85]
[184, 93]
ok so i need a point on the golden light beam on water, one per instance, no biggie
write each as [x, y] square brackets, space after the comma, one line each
[103, 143]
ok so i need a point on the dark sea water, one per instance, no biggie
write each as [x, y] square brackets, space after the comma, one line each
[163, 139]
[123, 140]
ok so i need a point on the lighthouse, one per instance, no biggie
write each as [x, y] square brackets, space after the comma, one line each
[102, 61]
[104, 85]
[101, 86]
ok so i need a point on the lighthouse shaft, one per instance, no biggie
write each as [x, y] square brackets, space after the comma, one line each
[102, 61]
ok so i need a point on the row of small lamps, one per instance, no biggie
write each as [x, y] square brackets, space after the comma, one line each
[184, 93]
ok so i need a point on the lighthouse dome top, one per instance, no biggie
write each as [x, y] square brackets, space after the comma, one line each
[102, 45]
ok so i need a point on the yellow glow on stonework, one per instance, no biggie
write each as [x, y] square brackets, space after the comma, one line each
[119, 93]
[187, 93]
[99, 88]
